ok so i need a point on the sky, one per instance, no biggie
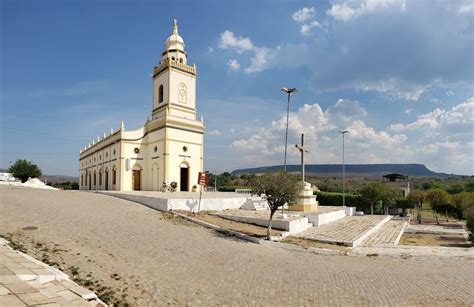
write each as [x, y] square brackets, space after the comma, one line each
[398, 74]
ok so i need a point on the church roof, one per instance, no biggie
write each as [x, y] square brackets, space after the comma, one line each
[174, 41]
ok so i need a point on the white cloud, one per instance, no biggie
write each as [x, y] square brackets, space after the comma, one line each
[461, 114]
[233, 65]
[303, 14]
[321, 135]
[214, 132]
[210, 49]
[259, 61]
[229, 41]
[348, 9]
[409, 111]
[306, 28]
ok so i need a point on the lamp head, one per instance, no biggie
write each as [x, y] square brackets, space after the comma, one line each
[343, 131]
[289, 90]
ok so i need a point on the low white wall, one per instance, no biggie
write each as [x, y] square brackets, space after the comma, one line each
[207, 204]
[153, 202]
[292, 226]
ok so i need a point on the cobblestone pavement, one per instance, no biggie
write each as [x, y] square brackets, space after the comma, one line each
[162, 262]
[27, 282]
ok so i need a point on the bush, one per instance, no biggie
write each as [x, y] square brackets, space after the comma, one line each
[404, 204]
[470, 227]
[23, 169]
[335, 199]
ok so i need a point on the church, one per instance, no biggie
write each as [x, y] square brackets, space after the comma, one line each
[169, 148]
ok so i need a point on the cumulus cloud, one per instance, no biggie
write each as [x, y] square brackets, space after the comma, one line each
[306, 28]
[303, 14]
[229, 41]
[233, 65]
[461, 114]
[259, 60]
[321, 134]
[348, 9]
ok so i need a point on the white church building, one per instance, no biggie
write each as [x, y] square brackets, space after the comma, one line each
[170, 146]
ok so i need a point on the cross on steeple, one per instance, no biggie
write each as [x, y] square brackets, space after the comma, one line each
[302, 150]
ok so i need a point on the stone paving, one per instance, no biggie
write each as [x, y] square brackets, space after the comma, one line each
[160, 262]
[27, 282]
[347, 231]
[389, 234]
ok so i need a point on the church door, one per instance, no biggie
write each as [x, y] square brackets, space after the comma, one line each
[136, 180]
[90, 181]
[184, 178]
[106, 180]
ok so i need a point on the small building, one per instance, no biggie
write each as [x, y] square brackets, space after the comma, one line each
[399, 178]
[168, 148]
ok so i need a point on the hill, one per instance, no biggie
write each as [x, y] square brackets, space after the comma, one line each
[351, 169]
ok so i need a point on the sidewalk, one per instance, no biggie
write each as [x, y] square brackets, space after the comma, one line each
[25, 281]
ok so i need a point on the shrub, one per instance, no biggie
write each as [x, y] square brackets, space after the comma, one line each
[23, 169]
[335, 199]
[470, 227]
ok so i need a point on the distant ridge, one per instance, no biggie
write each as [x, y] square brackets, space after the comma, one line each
[405, 169]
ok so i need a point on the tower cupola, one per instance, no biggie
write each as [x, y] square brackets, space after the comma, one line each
[174, 46]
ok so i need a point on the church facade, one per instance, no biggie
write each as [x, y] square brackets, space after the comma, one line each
[168, 148]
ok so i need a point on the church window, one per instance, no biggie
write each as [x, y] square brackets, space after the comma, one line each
[136, 150]
[100, 158]
[155, 149]
[172, 58]
[114, 176]
[106, 154]
[160, 94]
[114, 152]
[185, 148]
[82, 179]
[181, 60]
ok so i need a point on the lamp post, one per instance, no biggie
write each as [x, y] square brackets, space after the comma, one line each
[288, 92]
[343, 132]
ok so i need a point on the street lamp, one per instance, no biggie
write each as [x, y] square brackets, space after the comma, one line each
[288, 92]
[343, 132]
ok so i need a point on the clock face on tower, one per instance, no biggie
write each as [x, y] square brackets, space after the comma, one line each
[182, 93]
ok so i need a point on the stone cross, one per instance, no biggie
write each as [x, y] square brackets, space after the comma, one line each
[302, 150]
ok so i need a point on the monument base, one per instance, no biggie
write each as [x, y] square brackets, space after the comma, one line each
[303, 208]
[306, 201]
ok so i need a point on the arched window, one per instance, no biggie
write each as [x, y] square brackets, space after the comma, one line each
[114, 176]
[160, 94]
[181, 60]
[100, 177]
[95, 182]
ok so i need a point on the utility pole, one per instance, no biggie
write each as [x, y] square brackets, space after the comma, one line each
[343, 132]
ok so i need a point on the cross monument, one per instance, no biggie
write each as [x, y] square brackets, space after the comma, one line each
[302, 150]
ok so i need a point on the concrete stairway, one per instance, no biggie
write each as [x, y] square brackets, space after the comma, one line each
[348, 231]
[255, 203]
[389, 234]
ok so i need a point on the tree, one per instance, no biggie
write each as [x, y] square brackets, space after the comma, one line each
[469, 186]
[438, 199]
[418, 197]
[279, 189]
[388, 196]
[462, 202]
[23, 169]
[372, 193]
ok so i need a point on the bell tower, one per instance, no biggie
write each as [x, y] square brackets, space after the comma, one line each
[174, 81]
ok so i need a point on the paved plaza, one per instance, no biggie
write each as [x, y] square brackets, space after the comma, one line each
[149, 259]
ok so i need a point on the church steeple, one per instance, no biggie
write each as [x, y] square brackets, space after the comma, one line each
[175, 27]
[174, 46]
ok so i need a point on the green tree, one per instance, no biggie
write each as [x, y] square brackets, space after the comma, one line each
[23, 169]
[430, 185]
[438, 199]
[389, 196]
[418, 197]
[372, 193]
[469, 186]
[455, 189]
[462, 202]
[279, 189]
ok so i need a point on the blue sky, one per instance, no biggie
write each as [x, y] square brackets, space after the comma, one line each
[397, 74]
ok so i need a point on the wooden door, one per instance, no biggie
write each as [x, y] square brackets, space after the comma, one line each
[136, 180]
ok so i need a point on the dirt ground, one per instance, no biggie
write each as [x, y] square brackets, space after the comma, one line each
[310, 243]
[420, 239]
[248, 229]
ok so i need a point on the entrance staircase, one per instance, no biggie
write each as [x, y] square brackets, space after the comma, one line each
[255, 203]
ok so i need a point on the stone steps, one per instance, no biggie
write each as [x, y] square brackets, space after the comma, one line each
[389, 234]
[255, 203]
[348, 231]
